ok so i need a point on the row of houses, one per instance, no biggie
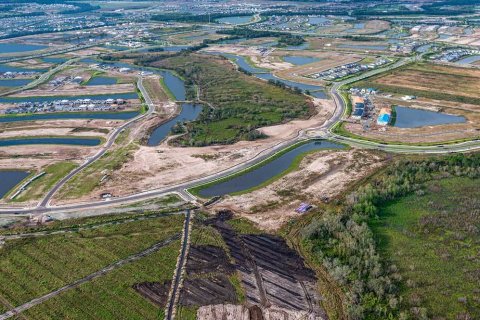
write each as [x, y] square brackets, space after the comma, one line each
[452, 55]
[15, 74]
[67, 106]
[348, 69]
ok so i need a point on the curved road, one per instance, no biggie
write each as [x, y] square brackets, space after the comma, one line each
[323, 132]
[110, 141]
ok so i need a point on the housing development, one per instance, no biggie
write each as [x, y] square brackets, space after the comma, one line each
[250, 160]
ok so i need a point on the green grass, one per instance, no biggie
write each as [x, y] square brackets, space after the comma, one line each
[244, 226]
[112, 296]
[53, 173]
[433, 242]
[33, 267]
[89, 178]
[186, 313]
[240, 103]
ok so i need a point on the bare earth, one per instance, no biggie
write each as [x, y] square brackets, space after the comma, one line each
[321, 176]
[156, 167]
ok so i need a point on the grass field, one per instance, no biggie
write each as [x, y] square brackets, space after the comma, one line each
[89, 178]
[53, 174]
[429, 81]
[434, 241]
[33, 267]
[240, 103]
[112, 296]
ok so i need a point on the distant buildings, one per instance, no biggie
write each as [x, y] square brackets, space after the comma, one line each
[348, 69]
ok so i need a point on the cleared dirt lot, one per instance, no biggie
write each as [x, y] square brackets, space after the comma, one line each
[155, 167]
[435, 78]
[321, 176]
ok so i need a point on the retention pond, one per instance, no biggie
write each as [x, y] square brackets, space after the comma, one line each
[270, 169]
[415, 118]
[50, 140]
[10, 179]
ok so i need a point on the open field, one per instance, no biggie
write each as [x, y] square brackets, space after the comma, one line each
[163, 165]
[32, 267]
[433, 240]
[320, 176]
[240, 104]
[429, 81]
[40, 186]
[114, 295]
[92, 176]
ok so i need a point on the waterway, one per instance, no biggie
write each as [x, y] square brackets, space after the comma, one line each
[235, 20]
[415, 118]
[10, 47]
[265, 172]
[10, 179]
[71, 115]
[189, 112]
[469, 59]
[14, 82]
[316, 91]
[50, 140]
[6, 68]
[300, 60]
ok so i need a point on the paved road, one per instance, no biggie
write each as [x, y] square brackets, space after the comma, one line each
[321, 132]
[101, 272]
[110, 141]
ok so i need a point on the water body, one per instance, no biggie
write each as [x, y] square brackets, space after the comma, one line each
[71, 115]
[10, 179]
[14, 82]
[269, 170]
[235, 20]
[317, 20]
[7, 68]
[300, 60]
[189, 113]
[469, 59]
[423, 48]
[127, 95]
[415, 118]
[242, 62]
[315, 91]
[98, 81]
[48, 140]
[174, 83]
[363, 47]
[19, 47]
[55, 60]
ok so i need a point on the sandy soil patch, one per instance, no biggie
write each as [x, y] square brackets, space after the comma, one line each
[65, 131]
[321, 176]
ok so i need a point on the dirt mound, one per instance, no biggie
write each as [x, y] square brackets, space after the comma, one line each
[156, 292]
[240, 312]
